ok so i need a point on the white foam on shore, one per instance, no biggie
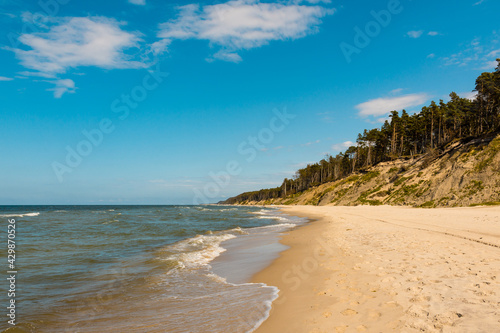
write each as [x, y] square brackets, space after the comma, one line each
[274, 217]
[20, 215]
[277, 226]
[263, 212]
[197, 251]
[267, 306]
[190, 260]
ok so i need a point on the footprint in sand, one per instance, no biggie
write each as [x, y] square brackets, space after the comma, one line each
[361, 328]
[327, 314]
[349, 312]
[417, 311]
[388, 279]
[391, 304]
[374, 314]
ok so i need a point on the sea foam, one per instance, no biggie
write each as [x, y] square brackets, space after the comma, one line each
[20, 215]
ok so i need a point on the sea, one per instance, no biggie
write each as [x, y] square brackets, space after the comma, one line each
[139, 268]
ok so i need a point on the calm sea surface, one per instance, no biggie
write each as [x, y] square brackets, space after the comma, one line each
[141, 268]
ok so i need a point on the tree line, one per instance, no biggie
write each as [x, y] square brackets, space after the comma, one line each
[403, 136]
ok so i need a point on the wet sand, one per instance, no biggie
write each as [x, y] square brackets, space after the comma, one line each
[387, 269]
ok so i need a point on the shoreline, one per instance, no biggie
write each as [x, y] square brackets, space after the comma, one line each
[386, 268]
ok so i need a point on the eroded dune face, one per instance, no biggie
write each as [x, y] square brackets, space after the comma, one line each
[464, 174]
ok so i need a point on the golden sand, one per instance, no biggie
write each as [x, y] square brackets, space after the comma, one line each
[388, 269]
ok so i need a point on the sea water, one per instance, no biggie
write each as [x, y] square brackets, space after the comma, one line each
[141, 268]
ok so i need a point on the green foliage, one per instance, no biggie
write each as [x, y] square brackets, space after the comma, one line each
[409, 189]
[401, 180]
[488, 155]
[443, 200]
[363, 197]
[423, 189]
[369, 176]
[315, 199]
[428, 204]
[473, 187]
[488, 203]
[352, 179]
[339, 194]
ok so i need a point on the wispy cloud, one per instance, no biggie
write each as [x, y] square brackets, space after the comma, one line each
[243, 24]
[138, 2]
[342, 146]
[74, 42]
[78, 41]
[3, 78]
[419, 33]
[469, 95]
[300, 165]
[326, 116]
[380, 106]
[313, 1]
[480, 53]
[415, 33]
[9, 15]
[307, 144]
[396, 91]
[62, 86]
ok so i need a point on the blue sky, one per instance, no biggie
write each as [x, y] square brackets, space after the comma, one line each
[148, 101]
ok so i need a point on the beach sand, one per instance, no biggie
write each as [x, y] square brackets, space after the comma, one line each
[387, 269]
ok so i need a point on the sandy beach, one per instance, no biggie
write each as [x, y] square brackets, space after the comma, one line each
[387, 269]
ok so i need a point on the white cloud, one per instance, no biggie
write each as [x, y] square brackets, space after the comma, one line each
[310, 143]
[62, 86]
[226, 56]
[26, 74]
[478, 3]
[159, 47]
[469, 95]
[415, 33]
[480, 53]
[493, 53]
[73, 42]
[78, 41]
[489, 65]
[342, 146]
[242, 24]
[313, 1]
[9, 15]
[3, 78]
[432, 55]
[419, 33]
[381, 106]
[138, 2]
[396, 91]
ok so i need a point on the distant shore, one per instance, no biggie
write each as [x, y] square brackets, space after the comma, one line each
[387, 269]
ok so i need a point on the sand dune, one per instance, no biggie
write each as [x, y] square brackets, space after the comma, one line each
[388, 269]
